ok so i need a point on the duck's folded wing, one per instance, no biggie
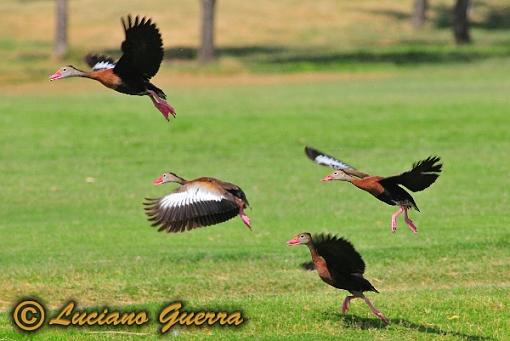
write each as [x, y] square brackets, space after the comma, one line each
[189, 208]
[339, 254]
[234, 190]
[324, 159]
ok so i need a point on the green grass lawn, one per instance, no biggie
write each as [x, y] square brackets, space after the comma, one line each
[63, 237]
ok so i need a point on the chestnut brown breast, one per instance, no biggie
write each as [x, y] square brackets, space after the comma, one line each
[107, 77]
[370, 184]
[322, 270]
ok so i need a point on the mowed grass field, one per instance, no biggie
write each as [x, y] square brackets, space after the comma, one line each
[77, 159]
[64, 236]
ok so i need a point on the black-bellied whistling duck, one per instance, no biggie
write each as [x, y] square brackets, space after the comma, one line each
[339, 265]
[201, 202]
[142, 55]
[387, 189]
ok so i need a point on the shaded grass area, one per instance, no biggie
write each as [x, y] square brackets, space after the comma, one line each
[67, 236]
[295, 59]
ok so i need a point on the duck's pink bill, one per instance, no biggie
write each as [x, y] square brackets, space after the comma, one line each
[158, 180]
[293, 242]
[56, 76]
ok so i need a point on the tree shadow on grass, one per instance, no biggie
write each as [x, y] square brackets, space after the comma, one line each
[296, 58]
[190, 53]
[406, 56]
[406, 53]
[358, 322]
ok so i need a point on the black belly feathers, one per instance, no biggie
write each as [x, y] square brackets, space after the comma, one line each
[396, 195]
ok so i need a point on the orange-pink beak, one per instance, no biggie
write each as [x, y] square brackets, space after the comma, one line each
[56, 75]
[158, 180]
[327, 178]
[292, 242]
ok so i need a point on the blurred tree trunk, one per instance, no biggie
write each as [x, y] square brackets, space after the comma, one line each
[461, 22]
[419, 13]
[206, 51]
[60, 48]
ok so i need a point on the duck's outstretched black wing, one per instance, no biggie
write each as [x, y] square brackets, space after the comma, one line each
[339, 254]
[423, 174]
[142, 49]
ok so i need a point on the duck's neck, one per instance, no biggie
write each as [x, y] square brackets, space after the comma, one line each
[179, 180]
[79, 73]
[91, 74]
[313, 251]
[349, 178]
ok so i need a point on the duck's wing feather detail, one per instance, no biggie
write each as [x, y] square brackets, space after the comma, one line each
[142, 49]
[339, 254]
[99, 62]
[423, 174]
[235, 190]
[189, 207]
[324, 159]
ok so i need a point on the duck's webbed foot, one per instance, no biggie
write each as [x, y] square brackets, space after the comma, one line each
[162, 105]
[375, 311]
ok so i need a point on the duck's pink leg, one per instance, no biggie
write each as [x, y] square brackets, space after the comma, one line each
[345, 305]
[375, 311]
[245, 218]
[161, 105]
[409, 222]
[394, 218]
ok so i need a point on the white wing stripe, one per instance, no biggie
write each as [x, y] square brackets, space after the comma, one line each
[103, 65]
[328, 161]
[191, 195]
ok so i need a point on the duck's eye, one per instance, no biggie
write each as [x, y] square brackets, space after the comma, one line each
[64, 69]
